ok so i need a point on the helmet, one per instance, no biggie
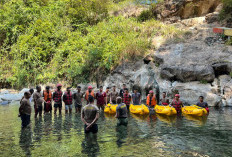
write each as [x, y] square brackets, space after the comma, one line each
[58, 85]
[90, 87]
[177, 95]
[151, 92]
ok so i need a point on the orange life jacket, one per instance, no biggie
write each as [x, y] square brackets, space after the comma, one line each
[47, 95]
[153, 100]
[87, 94]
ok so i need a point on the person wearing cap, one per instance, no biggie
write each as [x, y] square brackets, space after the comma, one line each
[122, 90]
[107, 98]
[25, 110]
[78, 98]
[177, 104]
[151, 99]
[47, 95]
[100, 96]
[136, 97]
[38, 101]
[113, 95]
[127, 98]
[57, 98]
[67, 98]
[88, 93]
[121, 112]
[164, 100]
[89, 116]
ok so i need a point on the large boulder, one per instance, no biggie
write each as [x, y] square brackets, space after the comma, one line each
[225, 84]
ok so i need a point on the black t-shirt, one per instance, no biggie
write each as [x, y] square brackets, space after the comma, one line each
[203, 104]
[121, 92]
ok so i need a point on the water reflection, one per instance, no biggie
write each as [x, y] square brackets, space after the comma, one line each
[38, 131]
[57, 130]
[25, 140]
[121, 134]
[47, 123]
[90, 145]
[67, 123]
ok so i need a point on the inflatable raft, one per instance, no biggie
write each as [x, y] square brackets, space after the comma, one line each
[167, 119]
[139, 109]
[194, 110]
[110, 108]
[165, 110]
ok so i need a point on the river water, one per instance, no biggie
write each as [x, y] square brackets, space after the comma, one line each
[153, 135]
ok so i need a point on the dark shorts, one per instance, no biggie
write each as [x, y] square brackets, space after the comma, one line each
[38, 109]
[25, 120]
[93, 129]
[122, 121]
[78, 105]
[56, 105]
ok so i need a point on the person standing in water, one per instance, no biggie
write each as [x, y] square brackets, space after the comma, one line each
[89, 116]
[31, 92]
[203, 104]
[47, 94]
[57, 98]
[25, 110]
[108, 93]
[122, 90]
[121, 112]
[164, 100]
[136, 97]
[113, 95]
[177, 104]
[38, 101]
[100, 96]
[127, 98]
[88, 93]
[78, 98]
[151, 99]
[67, 98]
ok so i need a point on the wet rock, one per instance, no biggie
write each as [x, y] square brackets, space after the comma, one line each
[225, 84]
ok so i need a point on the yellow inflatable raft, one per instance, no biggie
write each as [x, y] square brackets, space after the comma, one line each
[139, 109]
[167, 119]
[165, 110]
[110, 108]
[194, 110]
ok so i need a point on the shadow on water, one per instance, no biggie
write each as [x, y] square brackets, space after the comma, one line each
[25, 140]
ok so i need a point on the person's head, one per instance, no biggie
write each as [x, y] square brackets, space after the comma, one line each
[114, 88]
[31, 91]
[126, 90]
[90, 88]
[47, 88]
[164, 94]
[27, 95]
[151, 92]
[135, 90]
[124, 86]
[177, 96]
[38, 88]
[91, 99]
[201, 98]
[101, 88]
[68, 89]
[107, 89]
[119, 100]
[58, 86]
[79, 88]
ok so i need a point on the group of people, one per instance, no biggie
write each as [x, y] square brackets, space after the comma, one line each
[90, 112]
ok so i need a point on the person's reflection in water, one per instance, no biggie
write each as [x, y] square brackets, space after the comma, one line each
[38, 129]
[121, 114]
[152, 119]
[26, 140]
[47, 123]
[67, 123]
[90, 145]
[58, 127]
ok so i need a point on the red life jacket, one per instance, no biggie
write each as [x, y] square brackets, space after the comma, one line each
[177, 105]
[57, 96]
[68, 98]
[126, 99]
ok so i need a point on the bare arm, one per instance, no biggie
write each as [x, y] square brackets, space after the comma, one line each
[94, 121]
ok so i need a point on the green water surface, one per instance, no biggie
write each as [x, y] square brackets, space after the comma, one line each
[62, 136]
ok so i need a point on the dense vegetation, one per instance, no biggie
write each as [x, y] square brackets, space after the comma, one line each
[70, 40]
